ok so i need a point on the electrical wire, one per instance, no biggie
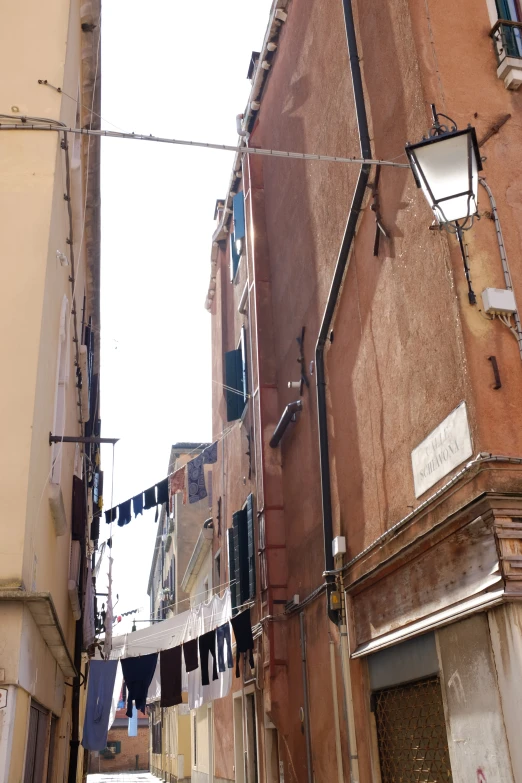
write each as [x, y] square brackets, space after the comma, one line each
[237, 149]
[78, 103]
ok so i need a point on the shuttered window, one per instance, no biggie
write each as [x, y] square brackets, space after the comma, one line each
[236, 379]
[234, 585]
[241, 544]
[237, 236]
[251, 545]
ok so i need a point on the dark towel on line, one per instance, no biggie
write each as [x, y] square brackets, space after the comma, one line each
[190, 653]
[196, 480]
[102, 675]
[170, 674]
[163, 492]
[222, 636]
[207, 644]
[137, 504]
[244, 640]
[110, 516]
[150, 498]
[138, 673]
[210, 454]
[124, 513]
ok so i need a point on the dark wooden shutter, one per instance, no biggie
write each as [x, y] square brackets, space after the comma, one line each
[239, 521]
[234, 384]
[244, 372]
[251, 540]
[232, 567]
[30, 750]
[79, 511]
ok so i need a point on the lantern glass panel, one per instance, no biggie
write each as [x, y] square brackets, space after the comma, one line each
[441, 167]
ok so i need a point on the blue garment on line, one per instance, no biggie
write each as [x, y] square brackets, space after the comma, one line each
[133, 723]
[102, 675]
[138, 673]
[196, 480]
[137, 504]
[210, 454]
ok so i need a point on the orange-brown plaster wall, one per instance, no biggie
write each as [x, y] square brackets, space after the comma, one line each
[408, 347]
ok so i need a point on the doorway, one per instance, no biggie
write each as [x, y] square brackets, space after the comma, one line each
[36, 744]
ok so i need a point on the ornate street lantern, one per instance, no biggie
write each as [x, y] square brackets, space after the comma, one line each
[445, 166]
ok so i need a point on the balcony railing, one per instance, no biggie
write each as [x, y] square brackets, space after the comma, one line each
[507, 37]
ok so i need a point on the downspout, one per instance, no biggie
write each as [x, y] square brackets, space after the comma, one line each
[340, 269]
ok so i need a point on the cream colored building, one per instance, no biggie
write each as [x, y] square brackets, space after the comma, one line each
[49, 277]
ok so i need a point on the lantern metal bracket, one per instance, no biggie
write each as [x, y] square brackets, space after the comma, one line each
[79, 439]
[438, 129]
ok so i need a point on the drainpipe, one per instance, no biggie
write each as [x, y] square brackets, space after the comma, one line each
[340, 269]
[306, 709]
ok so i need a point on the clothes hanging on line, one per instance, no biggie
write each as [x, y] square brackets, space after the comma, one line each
[100, 689]
[162, 492]
[124, 513]
[242, 626]
[205, 617]
[138, 674]
[196, 480]
[210, 454]
[222, 636]
[207, 644]
[132, 730]
[150, 498]
[137, 504]
[111, 515]
[170, 676]
[190, 654]
[178, 484]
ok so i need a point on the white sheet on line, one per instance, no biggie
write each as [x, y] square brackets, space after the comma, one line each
[176, 630]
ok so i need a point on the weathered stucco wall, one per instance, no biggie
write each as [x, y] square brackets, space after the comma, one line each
[476, 737]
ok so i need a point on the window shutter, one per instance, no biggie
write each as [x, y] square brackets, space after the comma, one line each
[239, 215]
[232, 567]
[234, 258]
[234, 384]
[244, 372]
[251, 542]
[239, 521]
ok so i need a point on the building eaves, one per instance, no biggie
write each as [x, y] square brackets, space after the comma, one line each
[264, 63]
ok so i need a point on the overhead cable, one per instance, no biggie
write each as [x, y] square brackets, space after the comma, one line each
[41, 125]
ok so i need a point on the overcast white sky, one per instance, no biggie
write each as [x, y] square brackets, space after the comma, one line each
[176, 69]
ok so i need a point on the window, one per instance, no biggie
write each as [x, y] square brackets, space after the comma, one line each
[236, 379]
[114, 746]
[62, 379]
[237, 237]
[242, 555]
[506, 17]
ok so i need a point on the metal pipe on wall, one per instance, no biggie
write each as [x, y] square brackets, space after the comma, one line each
[305, 698]
[338, 751]
[331, 304]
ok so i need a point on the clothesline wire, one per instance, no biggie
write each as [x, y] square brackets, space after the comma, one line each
[136, 642]
[221, 437]
[184, 600]
[79, 103]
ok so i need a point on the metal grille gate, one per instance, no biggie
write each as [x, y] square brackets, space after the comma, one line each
[411, 733]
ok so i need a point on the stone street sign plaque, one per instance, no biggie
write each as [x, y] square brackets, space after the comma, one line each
[446, 447]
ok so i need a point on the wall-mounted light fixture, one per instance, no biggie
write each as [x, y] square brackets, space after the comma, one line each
[445, 166]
